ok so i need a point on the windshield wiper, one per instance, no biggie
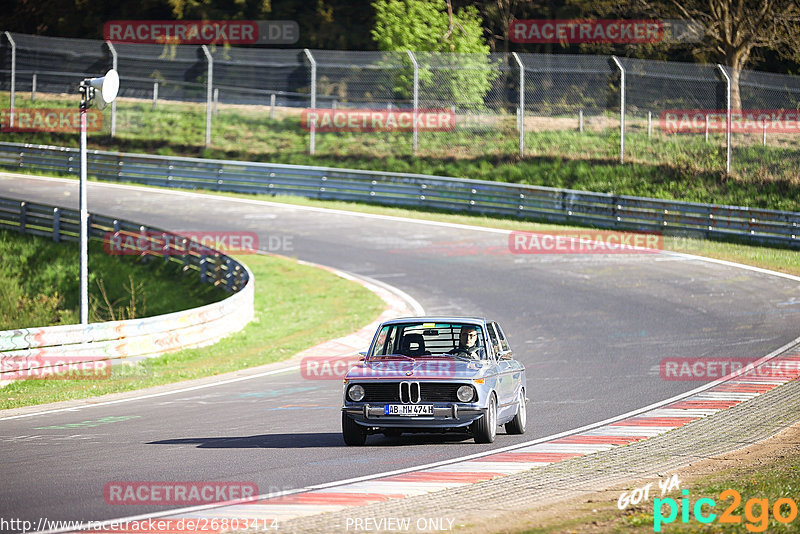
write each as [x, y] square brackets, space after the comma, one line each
[393, 356]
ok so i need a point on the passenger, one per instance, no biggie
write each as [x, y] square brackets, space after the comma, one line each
[468, 344]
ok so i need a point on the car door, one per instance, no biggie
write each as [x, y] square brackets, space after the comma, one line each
[505, 388]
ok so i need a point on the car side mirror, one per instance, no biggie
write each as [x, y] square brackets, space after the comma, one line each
[506, 355]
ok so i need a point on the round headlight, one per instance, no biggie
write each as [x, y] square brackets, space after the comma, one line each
[356, 393]
[464, 393]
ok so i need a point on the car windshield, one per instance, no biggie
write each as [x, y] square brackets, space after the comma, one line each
[416, 339]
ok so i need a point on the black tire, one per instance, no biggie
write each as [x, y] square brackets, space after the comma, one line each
[484, 429]
[352, 432]
[517, 425]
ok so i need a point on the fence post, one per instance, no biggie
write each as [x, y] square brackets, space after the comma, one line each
[33, 88]
[649, 123]
[114, 103]
[155, 95]
[216, 99]
[580, 120]
[415, 143]
[706, 127]
[728, 120]
[272, 106]
[521, 105]
[208, 93]
[621, 109]
[313, 115]
[13, 75]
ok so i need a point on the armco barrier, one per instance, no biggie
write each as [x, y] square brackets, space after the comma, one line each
[418, 190]
[28, 348]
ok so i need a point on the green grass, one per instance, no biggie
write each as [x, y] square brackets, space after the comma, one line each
[296, 307]
[682, 167]
[41, 284]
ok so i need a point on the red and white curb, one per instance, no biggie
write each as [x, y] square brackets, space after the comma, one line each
[702, 402]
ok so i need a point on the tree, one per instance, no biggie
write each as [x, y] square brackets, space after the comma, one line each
[735, 29]
[433, 26]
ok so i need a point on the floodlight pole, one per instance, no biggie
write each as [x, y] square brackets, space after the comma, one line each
[87, 92]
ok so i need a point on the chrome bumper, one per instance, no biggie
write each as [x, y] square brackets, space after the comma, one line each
[445, 412]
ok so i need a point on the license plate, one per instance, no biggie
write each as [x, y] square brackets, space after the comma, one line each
[408, 409]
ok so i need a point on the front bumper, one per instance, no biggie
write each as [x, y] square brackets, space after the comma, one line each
[449, 416]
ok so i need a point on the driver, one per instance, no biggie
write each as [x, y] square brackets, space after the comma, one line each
[468, 344]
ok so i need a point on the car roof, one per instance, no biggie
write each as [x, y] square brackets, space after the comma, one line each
[437, 319]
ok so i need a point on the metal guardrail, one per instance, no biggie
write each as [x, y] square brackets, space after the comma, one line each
[24, 351]
[759, 226]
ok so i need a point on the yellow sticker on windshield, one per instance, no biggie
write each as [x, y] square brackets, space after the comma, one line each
[428, 325]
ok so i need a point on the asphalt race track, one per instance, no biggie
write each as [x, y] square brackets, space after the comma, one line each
[590, 328]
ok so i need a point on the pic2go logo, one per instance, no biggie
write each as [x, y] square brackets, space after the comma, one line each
[756, 511]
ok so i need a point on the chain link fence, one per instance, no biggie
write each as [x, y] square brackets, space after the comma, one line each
[355, 103]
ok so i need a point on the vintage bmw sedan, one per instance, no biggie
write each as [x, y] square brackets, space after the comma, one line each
[435, 374]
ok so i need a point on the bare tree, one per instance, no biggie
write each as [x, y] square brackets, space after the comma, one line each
[735, 29]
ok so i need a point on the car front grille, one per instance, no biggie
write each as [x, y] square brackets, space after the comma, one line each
[429, 392]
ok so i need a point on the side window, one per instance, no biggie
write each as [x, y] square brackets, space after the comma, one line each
[503, 341]
[384, 341]
[493, 338]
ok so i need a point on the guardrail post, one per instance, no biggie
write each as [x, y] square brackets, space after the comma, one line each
[33, 87]
[143, 239]
[521, 105]
[185, 256]
[56, 225]
[728, 119]
[13, 75]
[165, 252]
[621, 109]
[23, 216]
[415, 89]
[114, 103]
[313, 114]
[209, 85]
[228, 272]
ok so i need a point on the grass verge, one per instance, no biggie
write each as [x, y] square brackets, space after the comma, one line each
[40, 284]
[296, 307]
[761, 474]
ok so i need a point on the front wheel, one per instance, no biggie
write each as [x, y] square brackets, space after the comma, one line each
[352, 432]
[517, 425]
[485, 428]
